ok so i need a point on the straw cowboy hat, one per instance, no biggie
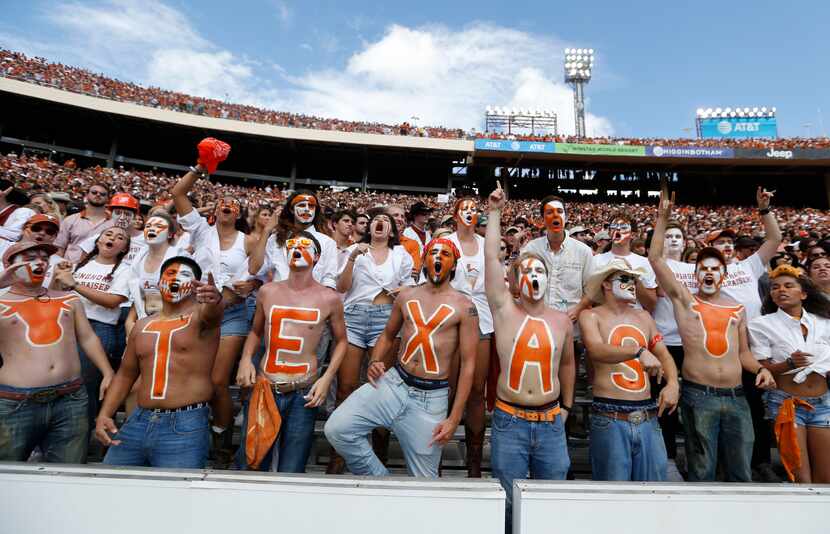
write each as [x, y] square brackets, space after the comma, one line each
[593, 289]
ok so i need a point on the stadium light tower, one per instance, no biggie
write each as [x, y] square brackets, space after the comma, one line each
[578, 65]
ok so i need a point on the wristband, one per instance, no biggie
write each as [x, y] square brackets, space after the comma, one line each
[763, 212]
[201, 174]
[758, 372]
[564, 407]
[639, 352]
[791, 363]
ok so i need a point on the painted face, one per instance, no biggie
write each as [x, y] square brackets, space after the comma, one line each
[726, 247]
[176, 282]
[533, 279]
[156, 231]
[228, 208]
[440, 260]
[674, 240]
[305, 207]
[381, 226]
[112, 242]
[123, 217]
[34, 271]
[555, 216]
[467, 214]
[620, 231]
[624, 287]
[301, 252]
[709, 276]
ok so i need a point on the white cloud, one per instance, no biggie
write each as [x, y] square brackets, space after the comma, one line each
[442, 75]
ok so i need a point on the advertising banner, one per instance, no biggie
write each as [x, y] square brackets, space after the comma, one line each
[783, 153]
[738, 128]
[600, 150]
[505, 145]
[659, 151]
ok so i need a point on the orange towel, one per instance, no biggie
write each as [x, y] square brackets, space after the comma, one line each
[785, 434]
[264, 422]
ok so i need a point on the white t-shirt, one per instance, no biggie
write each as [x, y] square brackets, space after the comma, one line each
[468, 265]
[137, 244]
[96, 276]
[741, 284]
[369, 278]
[664, 311]
[636, 261]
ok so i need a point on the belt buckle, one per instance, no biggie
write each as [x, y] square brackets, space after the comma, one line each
[637, 417]
[532, 416]
[47, 395]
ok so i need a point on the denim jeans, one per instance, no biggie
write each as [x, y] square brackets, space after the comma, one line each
[290, 451]
[60, 427]
[365, 323]
[411, 413]
[622, 450]
[108, 334]
[519, 448]
[718, 429]
[174, 440]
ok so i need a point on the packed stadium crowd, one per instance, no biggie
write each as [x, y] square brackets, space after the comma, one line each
[152, 294]
[18, 66]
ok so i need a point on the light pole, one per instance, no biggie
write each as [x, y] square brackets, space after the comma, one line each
[578, 65]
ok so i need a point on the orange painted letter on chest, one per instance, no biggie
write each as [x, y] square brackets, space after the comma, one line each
[534, 346]
[716, 321]
[422, 339]
[41, 318]
[633, 378]
[279, 343]
[164, 330]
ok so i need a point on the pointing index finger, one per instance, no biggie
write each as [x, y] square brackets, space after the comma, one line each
[498, 184]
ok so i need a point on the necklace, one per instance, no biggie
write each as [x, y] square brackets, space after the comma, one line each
[38, 297]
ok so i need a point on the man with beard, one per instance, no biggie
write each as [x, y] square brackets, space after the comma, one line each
[535, 350]
[361, 223]
[94, 218]
[42, 399]
[411, 399]
[292, 315]
[622, 229]
[715, 413]
[172, 353]
[625, 347]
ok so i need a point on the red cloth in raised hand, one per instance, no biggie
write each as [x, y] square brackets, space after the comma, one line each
[212, 152]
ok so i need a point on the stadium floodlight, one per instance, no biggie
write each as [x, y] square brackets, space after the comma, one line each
[578, 65]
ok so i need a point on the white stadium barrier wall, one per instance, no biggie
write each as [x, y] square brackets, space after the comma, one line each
[50, 499]
[542, 507]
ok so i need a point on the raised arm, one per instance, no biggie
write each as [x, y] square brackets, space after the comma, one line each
[497, 293]
[256, 252]
[772, 233]
[673, 289]
[182, 188]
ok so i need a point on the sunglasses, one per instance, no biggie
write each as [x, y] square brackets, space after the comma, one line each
[45, 228]
[299, 242]
[98, 193]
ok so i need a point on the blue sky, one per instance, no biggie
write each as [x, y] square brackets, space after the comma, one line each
[445, 61]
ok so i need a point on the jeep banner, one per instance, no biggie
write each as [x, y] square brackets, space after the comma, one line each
[782, 153]
[659, 151]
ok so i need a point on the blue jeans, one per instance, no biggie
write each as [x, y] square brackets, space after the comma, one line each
[174, 440]
[108, 335]
[290, 451]
[622, 450]
[411, 413]
[60, 427]
[519, 448]
[718, 428]
[818, 417]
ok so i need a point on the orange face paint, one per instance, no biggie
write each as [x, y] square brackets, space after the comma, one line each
[632, 377]
[301, 252]
[422, 340]
[440, 260]
[466, 213]
[279, 344]
[534, 347]
[164, 330]
[176, 282]
[716, 321]
[41, 319]
[554, 215]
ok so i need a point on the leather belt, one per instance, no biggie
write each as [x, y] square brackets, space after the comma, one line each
[283, 388]
[44, 395]
[528, 413]
[636, 417]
